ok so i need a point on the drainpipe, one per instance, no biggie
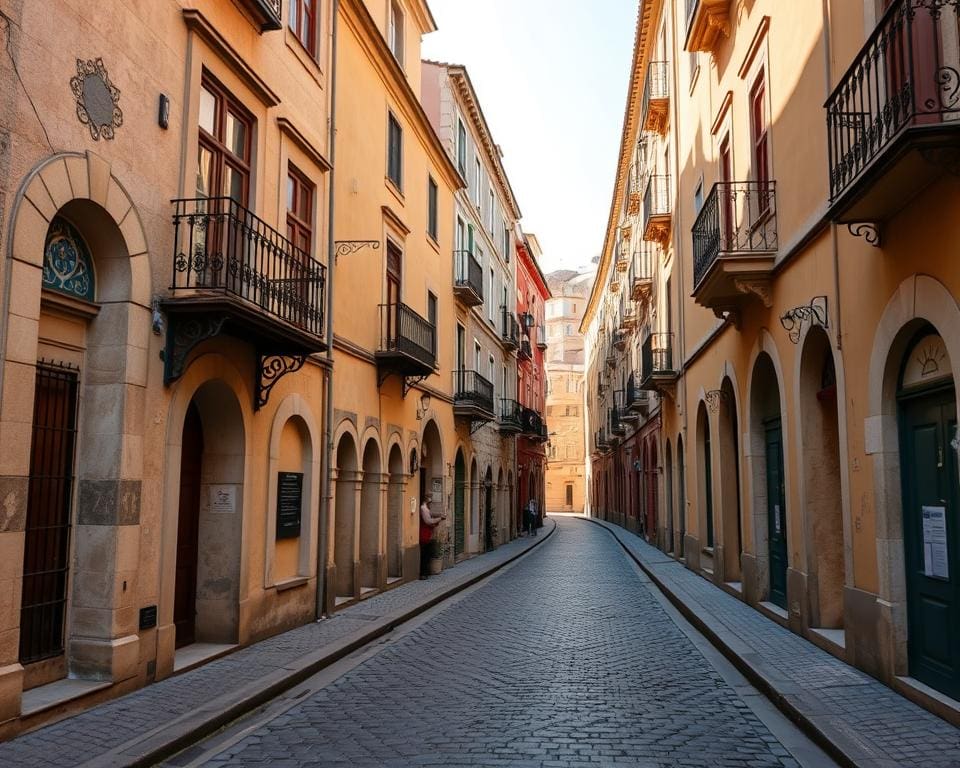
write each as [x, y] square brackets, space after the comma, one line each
[828, 75]
[327, 455]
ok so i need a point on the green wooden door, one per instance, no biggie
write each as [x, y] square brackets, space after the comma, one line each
[459, 490]
[708, 480]
[776, 513]
[930, 531]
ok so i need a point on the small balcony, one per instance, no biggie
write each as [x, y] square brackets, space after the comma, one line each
[893, 121]
[708, 23]
[511, 417]
[657, 210]
[532, 423]
[656, 98]
[735, 245]
[637, 400]
[468, 279]
[615, 427]
[541, 338]
[656, 356]
[408, 344]
[266, 13]
[620, 339]
[473, 396]
[623, 255]
[611, 357]
[629, 321]
[641, 282]
[509, 329]
[600, 441]
[526, 351]
[235, 274]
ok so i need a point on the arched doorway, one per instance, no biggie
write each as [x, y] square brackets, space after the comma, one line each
[431, 476]
[503, 510]
[820, 435]
[488, 512]
[769, 487]
[345, 519]
[639, 465]
[668, 471]
[681, 494]
[653, 492]
[705, 477]
[927, 419]
[398, 483]
[370, 557]
[459, 504]
[473, 544]
[728, 455]
[512, 503]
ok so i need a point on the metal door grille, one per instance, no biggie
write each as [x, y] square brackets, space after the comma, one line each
[46, 557]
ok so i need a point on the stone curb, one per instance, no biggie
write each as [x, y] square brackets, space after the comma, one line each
[179, 733]
[782, 693]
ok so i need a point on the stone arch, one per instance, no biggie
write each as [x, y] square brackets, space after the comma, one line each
[728, 461]
[397, 479]
[918, 300]
[474, 480]
[293, 410]
[503, 506]
[653, 491]
[371, 551]
[209, 367]
[512, 502]
[669, 545]
[460, 502]
[681, 495]
[345, 582]
[706, 533]
[489, 509]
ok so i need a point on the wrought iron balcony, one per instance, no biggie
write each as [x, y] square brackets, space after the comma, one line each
[511, 416]
[657, 209]
[408, 344]
[641, 271]
[532, 422]
[468, 278]
[510, 329]
[637, 400]
[526, 351]
[893, 121]
[543, 435]
[735, 244]
[265, 12]
[233, 273]
[615, 426]
[707, 20]
[656, 357]
[600, 440]
[472, 395]
[656, 98]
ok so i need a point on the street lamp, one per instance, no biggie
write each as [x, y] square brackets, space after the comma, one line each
[423, 407]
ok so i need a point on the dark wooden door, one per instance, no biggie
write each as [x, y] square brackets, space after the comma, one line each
[931, 538]
[188, 529]
[46, 555]
[708, 484]
[459, 501]
[776, 513]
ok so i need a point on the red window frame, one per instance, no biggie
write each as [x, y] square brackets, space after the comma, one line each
[223, 156]
[303, 22]
[759, 132]
[300, 194]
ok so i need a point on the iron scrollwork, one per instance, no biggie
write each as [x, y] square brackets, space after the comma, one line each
[868, 230]
[97, 99]
[272, 368]
[814, 313]
[346, 247]
[182, 336]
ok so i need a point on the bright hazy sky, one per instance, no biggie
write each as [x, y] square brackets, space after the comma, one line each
[551, 76]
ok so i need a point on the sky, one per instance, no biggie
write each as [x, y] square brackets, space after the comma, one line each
[551, 77]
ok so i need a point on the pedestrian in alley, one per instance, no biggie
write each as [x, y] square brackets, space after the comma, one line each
[530, 517]
[428, 523]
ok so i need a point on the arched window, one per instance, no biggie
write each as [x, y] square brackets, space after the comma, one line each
[67, 265]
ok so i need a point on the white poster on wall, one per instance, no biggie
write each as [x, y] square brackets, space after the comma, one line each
[935, 563]
[223, 499]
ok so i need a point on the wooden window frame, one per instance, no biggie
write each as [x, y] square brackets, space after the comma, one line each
[392, 121]
[297, 226]
[226, 103]
[760, 134]
[433, 196]
[306, 33]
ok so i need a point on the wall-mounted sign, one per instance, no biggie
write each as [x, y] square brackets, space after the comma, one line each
[148, 617]
[289, 504]
[223, 499]
[935, 562]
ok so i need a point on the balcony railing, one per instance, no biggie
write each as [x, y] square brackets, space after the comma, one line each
[641, 270]
[265, 12]
[637, 399]
[526, 351]
[600, 440]
[657, 206]
[509, 329]
[615, 425]
[468, 278]
[222, 249]
[904, 77]
[511, 416]
[738, 218]
[405, 334]
[656, 357]
[655, 97]
[472, 390]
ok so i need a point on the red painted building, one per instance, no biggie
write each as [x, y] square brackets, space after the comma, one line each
[532, 294]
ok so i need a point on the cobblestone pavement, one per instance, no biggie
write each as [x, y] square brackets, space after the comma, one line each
[566, 659]
[89, 735]
[869, 721]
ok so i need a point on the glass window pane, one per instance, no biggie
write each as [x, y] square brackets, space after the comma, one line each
[236, 135]
[305, 202]
[233, 184]
[204, 171]
[291, 188]
[208, 110]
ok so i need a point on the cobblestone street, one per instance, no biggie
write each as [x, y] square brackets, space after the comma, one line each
[564, 659]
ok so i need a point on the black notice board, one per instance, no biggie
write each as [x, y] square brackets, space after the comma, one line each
[289, 504]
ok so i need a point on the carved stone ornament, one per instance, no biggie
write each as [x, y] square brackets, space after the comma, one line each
[760, 288]
[97, 99]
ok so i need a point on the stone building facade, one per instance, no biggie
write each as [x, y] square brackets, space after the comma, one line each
[807, 459]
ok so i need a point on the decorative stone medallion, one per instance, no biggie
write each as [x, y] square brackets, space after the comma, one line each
[97, 99]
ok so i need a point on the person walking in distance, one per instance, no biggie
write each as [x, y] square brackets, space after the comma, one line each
[530, 516]
[428, 522]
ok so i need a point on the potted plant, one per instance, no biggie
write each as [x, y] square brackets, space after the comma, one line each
[441, 546]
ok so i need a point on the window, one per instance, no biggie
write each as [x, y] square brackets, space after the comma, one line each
[303, 22]
[506, 243]
[698, 197]
[395, 32]
[491, 368]
[223, 160]
[395, 151]
[299, 210]
[490, 213]
[568, 495]
[758, 127]
[461, 147]
[477, 183]
[476, 355]
[432, 317]
[432, 208]
[491, 294]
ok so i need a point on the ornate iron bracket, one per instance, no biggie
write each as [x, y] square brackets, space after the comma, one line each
[815, 313]
[183, 334]
[868, 230]
[714, 398]
[270, 369]
[409, 382]
[475, 424]
[346, 247]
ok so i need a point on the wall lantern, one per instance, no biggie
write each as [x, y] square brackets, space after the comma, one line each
[423, 407]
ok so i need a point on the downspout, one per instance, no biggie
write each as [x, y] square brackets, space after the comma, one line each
[828, 74]
[327, 454]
